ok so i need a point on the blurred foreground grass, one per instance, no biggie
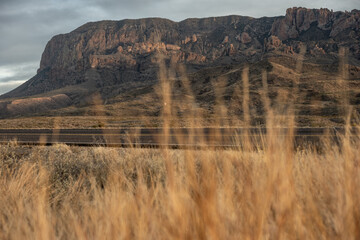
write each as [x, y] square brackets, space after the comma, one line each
[63, 192]
[266, 190]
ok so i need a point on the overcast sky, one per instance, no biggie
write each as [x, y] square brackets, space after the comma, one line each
[27, 25]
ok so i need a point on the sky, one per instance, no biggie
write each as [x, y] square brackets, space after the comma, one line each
[27, 25]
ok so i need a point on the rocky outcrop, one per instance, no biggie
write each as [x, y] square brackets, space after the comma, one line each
[21, 105]
[34, 105]
[110, 54]
[331, 24]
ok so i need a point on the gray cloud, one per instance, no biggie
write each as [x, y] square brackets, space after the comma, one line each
[8, 86]
[17, 72]
[27, 25]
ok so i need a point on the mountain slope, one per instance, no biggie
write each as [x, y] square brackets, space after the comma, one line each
[113, 58]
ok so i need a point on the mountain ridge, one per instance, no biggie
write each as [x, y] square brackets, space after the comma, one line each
[100, 44]
[111, 57]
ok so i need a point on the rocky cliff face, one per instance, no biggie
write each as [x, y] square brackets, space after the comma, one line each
[109, 55]
[327, 24]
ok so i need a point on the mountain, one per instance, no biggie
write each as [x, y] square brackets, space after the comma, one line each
[115, 58]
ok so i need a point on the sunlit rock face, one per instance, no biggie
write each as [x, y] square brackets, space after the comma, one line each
[323, 23]
[109, 53]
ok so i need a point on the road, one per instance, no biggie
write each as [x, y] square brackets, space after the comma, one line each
[154, 137]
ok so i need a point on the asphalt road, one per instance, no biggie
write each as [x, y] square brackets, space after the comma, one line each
[155, 137]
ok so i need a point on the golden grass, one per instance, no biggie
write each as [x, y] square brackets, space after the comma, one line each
[63, 192]
[265, 189]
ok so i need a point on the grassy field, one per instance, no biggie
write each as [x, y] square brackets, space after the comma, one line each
[63, 192]
[266, 189]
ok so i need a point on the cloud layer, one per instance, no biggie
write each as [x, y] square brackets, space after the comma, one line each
[27, 25]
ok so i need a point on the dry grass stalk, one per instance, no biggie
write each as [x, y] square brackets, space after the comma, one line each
[270, 192]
